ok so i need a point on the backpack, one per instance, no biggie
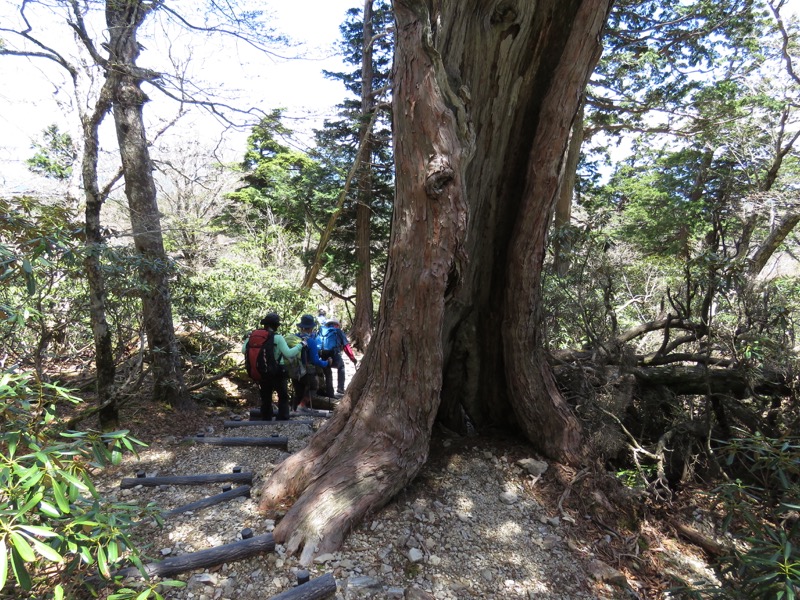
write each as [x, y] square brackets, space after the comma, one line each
[297, 366]
[332, 339]
[259, 357]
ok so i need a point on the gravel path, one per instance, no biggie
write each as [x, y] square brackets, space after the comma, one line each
[472, 525]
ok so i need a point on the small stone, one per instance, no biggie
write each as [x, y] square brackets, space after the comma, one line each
[417, 594]
[395, 592]
[533, 466]
[362, 583]
[508, 498]
[166, 551]
[323, 558]
[415, 555]
[487, 575]
[603, 572]
[434, 560]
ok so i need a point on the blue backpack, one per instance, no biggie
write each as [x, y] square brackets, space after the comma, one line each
[332, 339]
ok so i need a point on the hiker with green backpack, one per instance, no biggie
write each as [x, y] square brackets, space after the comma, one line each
[302, 370]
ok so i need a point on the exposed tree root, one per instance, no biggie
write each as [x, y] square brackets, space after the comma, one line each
[342, 475]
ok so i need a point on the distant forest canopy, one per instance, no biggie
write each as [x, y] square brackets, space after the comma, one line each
[669, 285]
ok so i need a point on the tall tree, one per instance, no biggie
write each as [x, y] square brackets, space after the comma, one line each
[361, 332]
[484, 98]
[361, 136]
[92, 109]
[123, 20]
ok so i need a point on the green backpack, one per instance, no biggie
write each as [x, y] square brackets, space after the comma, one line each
[298, 365]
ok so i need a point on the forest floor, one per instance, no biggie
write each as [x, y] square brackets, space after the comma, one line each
[475, 523]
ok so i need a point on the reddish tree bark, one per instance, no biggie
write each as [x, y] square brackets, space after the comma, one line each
[484, 96]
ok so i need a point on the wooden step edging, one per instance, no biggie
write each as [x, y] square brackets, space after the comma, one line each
[131, 482]
[243, 491]
[255, 414]
[315, 589]
[259, 423]
[274, 441]
[203, 559]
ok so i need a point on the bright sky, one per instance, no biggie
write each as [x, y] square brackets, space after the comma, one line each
[30, 101]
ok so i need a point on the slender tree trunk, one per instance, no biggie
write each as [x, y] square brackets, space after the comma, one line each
[484, 95]
[104, 357]
[123, 19]
[562, 246]
[361, 332]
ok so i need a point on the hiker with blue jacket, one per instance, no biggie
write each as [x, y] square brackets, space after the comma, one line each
[334, 342]
[307, 384]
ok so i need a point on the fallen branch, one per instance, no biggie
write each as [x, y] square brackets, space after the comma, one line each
[210, 380]
[711, 547]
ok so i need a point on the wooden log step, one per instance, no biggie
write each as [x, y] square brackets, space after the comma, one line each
[131, 482]
[324, 403]
[274, 441]
[237, 492]
[255, 414]
[316, 589]
[258, 423]
[203, 559]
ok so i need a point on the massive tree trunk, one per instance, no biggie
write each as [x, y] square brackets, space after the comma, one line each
[484, 97]
[123, 20]
[361, 332]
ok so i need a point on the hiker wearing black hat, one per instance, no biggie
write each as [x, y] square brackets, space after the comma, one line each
[265, 352]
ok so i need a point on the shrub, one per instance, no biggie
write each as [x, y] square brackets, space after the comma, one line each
[54, 526]
[761, 508]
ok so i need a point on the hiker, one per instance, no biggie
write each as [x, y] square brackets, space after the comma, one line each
[334, 342]
[307, 384]
[321, 320]
[265, 351]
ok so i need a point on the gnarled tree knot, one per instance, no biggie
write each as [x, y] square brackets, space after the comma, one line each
[440, 174]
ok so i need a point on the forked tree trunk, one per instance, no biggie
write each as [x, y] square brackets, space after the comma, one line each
[361, 332]
[123, 20]
[484, 95]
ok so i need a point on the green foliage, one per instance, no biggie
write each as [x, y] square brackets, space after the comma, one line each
[55, 156]
[54, 525]
[761, 507]
[233, 297]
[40, 270]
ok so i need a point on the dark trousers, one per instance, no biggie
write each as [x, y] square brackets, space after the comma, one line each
[338, 363]
[305, 388]
[274, 383]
